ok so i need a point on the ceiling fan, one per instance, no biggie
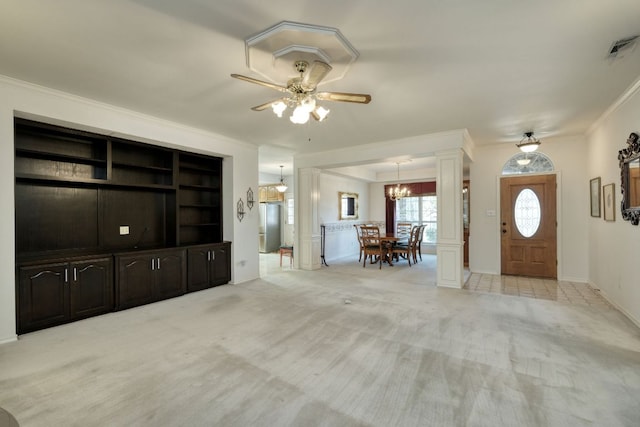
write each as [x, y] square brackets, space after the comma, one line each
[301, 94]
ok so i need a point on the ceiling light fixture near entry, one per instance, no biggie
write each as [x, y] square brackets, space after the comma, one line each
[528, 143]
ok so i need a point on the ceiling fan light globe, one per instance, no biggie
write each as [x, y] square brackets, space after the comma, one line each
[300, 115]
[278, 108]
[308, 104]
[322, 113]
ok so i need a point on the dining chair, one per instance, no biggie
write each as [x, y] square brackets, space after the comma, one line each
[359, 236]
[403, 230]
[407, 250]
[419, 243]
[372, 245]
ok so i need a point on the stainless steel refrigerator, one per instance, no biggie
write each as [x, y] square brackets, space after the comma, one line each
[269, 227]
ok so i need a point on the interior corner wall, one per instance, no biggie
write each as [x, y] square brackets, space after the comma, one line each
[614, 247]
[341, 238]
[240, 171]
[569, 156]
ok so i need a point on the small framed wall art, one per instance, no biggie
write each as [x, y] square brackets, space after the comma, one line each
[594, 187]
[609, 198]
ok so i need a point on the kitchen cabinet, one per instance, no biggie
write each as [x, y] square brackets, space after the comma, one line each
[208, 266]
[269, 193]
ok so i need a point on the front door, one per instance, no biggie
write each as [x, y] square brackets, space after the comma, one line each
[528, 225]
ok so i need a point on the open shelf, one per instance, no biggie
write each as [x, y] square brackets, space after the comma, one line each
[142, 167]
[43, 155]
[199, 199]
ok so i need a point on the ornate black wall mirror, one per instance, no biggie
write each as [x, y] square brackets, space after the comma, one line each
[348, 205]
[629, 159]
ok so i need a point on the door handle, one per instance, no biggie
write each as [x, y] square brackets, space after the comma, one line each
[158, 263]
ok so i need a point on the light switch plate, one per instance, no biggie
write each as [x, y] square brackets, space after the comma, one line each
[124, 230]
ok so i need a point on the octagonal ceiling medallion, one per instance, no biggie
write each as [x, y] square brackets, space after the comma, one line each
[273, 52]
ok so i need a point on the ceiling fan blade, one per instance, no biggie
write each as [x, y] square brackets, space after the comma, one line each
[359, 98]
[315, 74]
[267, 104]
[259, 82]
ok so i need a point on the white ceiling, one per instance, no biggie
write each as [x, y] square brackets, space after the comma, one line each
[495, 67]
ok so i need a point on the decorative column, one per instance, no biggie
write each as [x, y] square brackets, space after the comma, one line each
[307, 254]
[450, 245]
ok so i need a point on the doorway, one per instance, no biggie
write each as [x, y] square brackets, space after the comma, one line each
[528, 226]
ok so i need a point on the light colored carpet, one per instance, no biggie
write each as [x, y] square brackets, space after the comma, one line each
[343, 346]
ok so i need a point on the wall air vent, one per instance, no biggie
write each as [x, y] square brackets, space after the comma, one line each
[622, 45]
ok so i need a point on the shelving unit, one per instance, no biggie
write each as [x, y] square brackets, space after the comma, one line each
[141, 164]
[199, 201]
[127, 210]
[46, 152]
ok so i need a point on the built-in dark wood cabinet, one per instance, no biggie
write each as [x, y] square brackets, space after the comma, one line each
[199, 199]
[148, 276]
[208, 266]
[79, 193]
[54, 293]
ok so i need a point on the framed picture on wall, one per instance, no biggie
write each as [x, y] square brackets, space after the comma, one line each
[609, 197]
[595, 197]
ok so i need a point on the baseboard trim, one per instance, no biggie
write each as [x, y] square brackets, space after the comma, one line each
[8, 340]
[617, 306]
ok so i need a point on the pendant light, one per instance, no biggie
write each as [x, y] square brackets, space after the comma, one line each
[282, 187]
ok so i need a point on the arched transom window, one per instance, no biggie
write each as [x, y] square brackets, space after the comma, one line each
[527, 163]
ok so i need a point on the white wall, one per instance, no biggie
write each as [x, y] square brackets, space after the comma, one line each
[569, 156]
[341, 240]
[240, 171]
[377, 202]
[614, 247]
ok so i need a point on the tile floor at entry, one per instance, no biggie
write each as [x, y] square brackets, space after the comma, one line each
[548, 289]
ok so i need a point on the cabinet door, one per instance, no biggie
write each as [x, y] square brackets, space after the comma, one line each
[262, 194]
[135, 281]
[91, 288]
[43, 296]
[170, 272]
[198, 264]
[220, 264]
[272, 194]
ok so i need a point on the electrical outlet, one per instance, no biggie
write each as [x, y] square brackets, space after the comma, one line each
[124, 230]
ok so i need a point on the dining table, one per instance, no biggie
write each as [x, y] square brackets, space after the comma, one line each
[388, 241]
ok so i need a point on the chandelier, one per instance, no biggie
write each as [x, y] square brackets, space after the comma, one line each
[397, 192]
